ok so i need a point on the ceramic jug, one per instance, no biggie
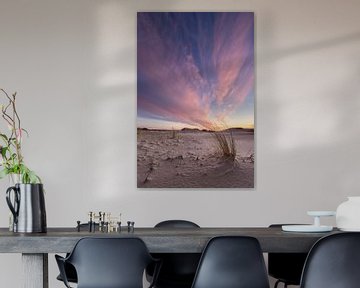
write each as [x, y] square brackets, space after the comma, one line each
[27, 207]
[348, 214]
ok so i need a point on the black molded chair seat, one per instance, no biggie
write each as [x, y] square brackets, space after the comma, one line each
[286, 267]
[178, 269]
[232, 262]
[333, 262]
[108, 263]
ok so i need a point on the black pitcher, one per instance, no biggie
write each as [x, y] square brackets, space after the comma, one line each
[28, 207]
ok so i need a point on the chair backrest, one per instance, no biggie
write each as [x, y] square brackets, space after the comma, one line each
[178, 269]
[333, 262]
[110, 262]
[232, 262]
[176, 224]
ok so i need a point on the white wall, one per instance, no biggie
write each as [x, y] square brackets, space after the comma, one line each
[73, 64]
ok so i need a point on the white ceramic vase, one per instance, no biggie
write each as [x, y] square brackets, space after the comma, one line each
[348, 214]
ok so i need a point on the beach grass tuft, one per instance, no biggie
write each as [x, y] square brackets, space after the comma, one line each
[174, 134]
[226, 144]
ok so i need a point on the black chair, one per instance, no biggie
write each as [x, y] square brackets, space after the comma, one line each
[286, 267]
[333, 262]
[69, 269]
[178, 269]
[232, 262]
[176, 224]
[108, 263]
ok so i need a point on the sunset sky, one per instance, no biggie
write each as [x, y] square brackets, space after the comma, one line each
[195, 69]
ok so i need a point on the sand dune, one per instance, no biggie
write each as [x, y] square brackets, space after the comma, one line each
[191, 159]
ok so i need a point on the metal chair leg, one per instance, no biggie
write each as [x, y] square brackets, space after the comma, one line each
[279, 281]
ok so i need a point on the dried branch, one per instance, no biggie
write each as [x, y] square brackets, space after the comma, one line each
[11, 155]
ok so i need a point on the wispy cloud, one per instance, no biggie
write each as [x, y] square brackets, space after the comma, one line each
[194, 68]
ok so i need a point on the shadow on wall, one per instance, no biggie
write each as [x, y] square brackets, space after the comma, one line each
[307, 110]
[272, 56]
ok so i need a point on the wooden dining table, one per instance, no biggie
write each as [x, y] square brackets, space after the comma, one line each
[35, 247]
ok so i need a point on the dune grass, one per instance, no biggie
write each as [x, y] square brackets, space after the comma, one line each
[226, 144]
[174, 134]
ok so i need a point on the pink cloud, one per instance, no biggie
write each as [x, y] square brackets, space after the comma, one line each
[193, 81]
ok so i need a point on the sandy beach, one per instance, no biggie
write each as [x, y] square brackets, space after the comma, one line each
[192, 159]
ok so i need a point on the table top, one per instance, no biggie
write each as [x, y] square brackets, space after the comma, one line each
[158, 240]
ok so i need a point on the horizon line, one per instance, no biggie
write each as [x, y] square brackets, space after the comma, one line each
[199, 129]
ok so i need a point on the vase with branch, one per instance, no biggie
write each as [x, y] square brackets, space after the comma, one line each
[25, 197]
[11, 158]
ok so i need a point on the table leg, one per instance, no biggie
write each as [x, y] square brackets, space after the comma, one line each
[35, 270]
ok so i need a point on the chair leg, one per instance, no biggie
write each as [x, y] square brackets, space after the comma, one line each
[279, 281]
